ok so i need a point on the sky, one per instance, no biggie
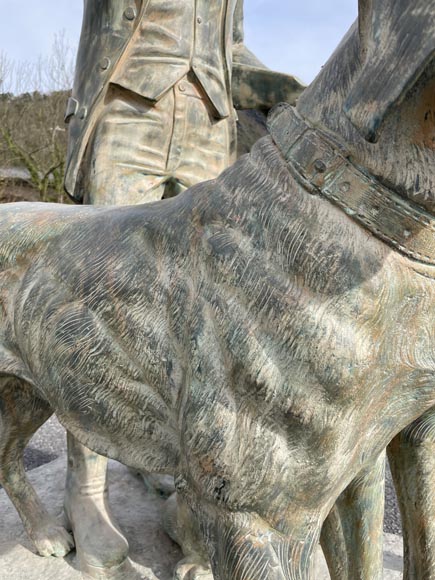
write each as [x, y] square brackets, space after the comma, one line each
[293, 36]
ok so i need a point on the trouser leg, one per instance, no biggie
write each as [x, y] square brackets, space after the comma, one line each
[101, 547]
[202, 146]
[125, 163]
[142, 151]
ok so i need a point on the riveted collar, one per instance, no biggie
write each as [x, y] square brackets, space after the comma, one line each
[323, 166]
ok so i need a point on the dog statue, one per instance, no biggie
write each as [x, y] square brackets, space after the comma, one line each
[263, 336]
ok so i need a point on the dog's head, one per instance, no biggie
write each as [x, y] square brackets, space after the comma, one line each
[397, 42]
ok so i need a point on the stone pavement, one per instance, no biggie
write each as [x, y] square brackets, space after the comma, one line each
[138, 513]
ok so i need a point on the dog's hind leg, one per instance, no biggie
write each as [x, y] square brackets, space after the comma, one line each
[21, 414]
[412, 460]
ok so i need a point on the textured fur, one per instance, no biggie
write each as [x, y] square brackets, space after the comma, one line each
[236, 336]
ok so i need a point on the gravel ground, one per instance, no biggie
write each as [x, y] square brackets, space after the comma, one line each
[50, 442]
[392, 523]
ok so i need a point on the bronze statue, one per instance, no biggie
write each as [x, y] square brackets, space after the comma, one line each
[152, 107]
[262, 336]
[151, 114]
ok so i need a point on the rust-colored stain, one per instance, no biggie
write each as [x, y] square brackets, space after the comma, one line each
[425, 118]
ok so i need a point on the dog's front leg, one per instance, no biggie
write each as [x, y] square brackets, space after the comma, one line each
[101, 547]
[242, 545]
[246, 547]
[412, 460]
[361, 512]
[181, 526]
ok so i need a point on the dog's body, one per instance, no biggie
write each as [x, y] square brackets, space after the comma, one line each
[265, 352]
[248, 337]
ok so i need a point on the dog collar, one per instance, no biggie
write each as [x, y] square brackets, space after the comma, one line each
[323, 167]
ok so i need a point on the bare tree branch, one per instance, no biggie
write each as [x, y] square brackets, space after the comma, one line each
[32, 103]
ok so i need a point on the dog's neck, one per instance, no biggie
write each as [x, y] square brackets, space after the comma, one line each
[404, 156]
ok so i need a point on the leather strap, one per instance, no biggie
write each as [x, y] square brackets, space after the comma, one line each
[323, 167]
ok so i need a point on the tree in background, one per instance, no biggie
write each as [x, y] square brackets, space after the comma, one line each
[32, 104]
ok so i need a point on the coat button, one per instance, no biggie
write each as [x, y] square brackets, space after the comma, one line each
[199, 20]
[105, 63]
[130, 13]
[182, 87]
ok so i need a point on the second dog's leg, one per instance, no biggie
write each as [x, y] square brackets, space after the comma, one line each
[361, 508]
[21, 414]
[334, 546]
[356, 525]
[101, 547]
[412, 460]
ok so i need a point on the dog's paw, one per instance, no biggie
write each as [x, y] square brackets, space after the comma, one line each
[52, 539]
[189, 569]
